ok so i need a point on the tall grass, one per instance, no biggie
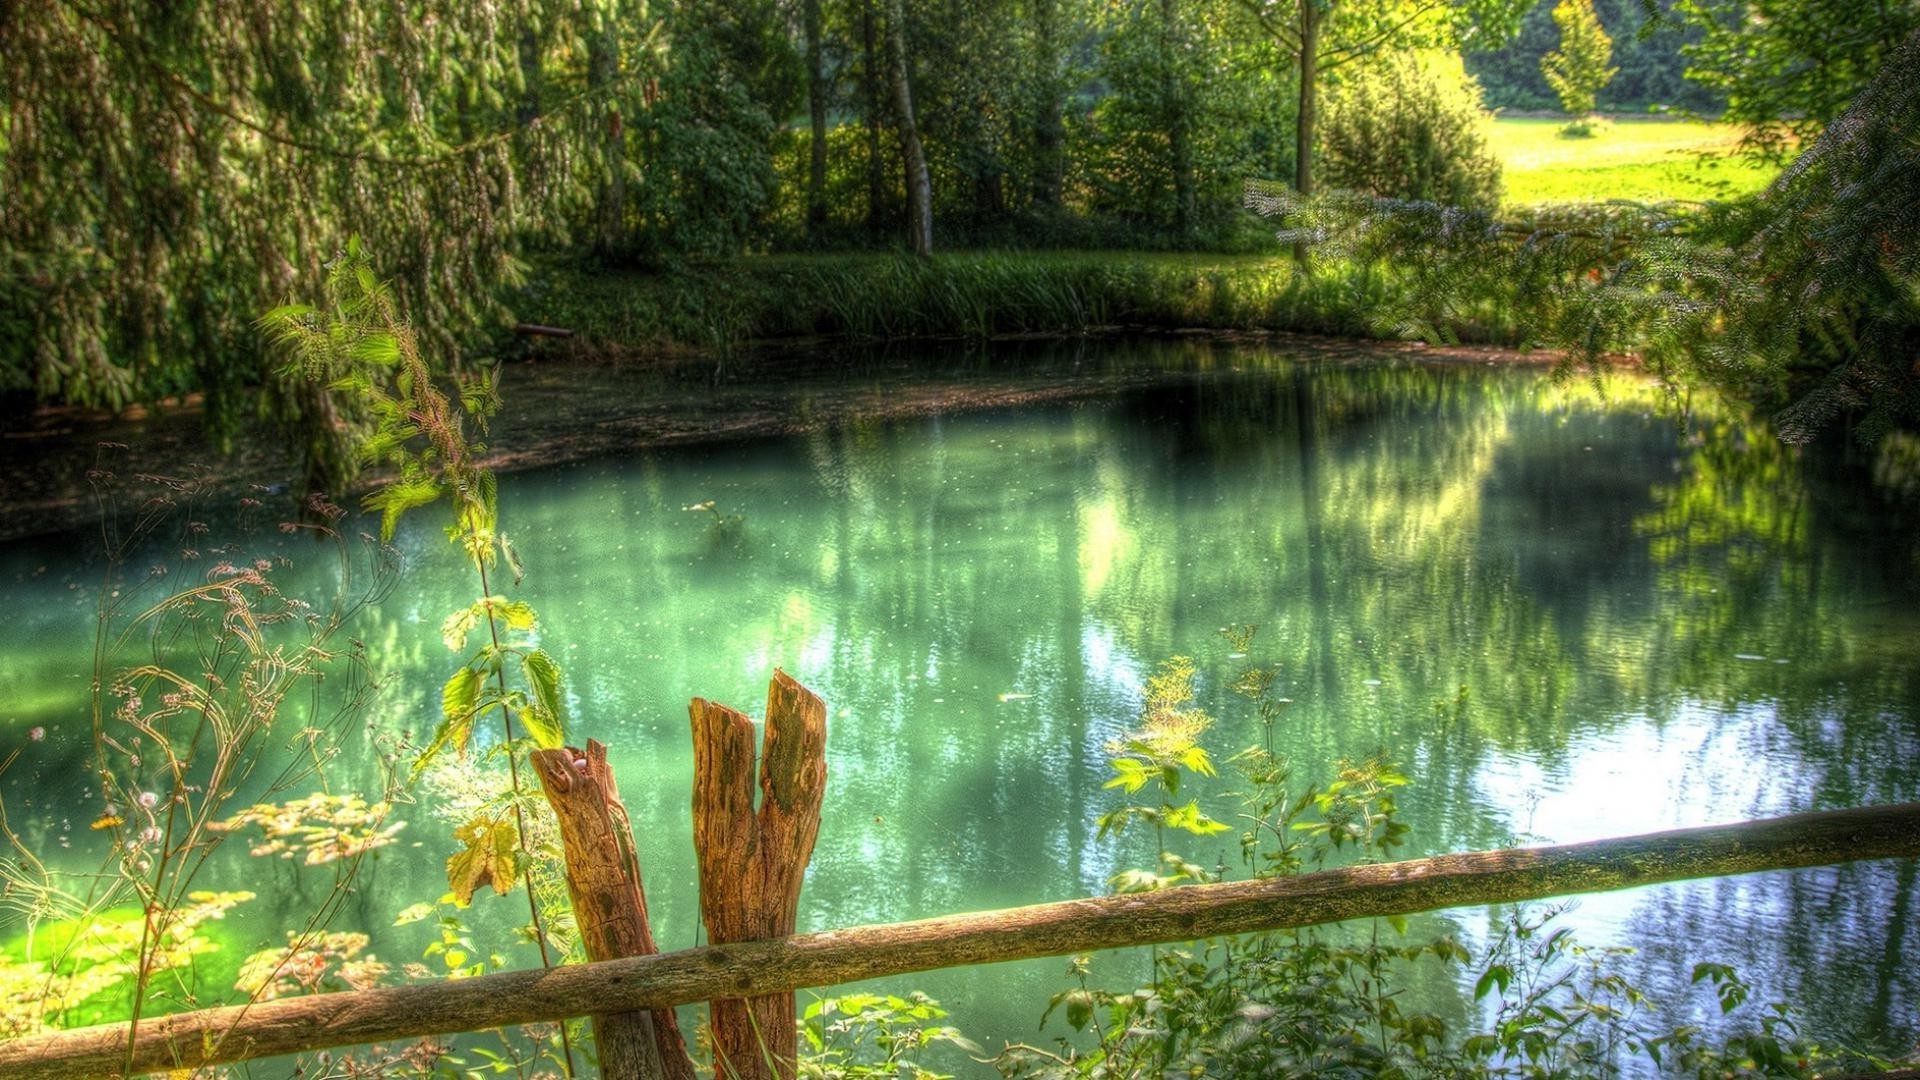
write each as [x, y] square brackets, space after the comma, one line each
[968, 294]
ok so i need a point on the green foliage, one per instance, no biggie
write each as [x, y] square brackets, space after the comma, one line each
[358, 342]
[1803, 300]
[87, 969]
[707, 139]
[1331, 1001]
[966, 295]
[874, 1037]
[1409, 125]
[1165, 746]
[1788, 68]
[1647, 47]
[168, 169]
[1195, 109]
[1578, 69]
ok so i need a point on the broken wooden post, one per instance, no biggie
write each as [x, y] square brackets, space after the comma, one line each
[610, 906]
[752, 864]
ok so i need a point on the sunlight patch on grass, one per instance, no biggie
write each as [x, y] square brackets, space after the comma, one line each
[1644, 160]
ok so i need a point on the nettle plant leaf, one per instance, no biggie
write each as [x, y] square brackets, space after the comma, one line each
[459, 624]
[513, 614]
[459, 704]
[490, 856]
[545, 715]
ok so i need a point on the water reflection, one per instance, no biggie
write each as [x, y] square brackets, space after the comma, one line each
[1654, 622]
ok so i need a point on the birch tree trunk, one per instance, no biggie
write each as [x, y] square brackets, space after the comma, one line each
[919, 188]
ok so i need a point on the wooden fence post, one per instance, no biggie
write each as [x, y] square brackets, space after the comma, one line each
[610, 906]
[752, 864]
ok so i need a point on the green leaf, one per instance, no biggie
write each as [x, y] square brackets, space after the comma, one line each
[459, 624]
[1399, 924]
[1079, 1009]
[399, 497]
[460, 697]
[1129, 774]
[459, 703]
[517, 614]
[1190, 819]
[1194, 758]
[1498, 974]
[490, 857]
[546, 719]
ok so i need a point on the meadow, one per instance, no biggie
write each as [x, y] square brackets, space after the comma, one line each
[1642, 159]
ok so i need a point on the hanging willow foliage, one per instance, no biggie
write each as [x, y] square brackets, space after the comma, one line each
[167, 170]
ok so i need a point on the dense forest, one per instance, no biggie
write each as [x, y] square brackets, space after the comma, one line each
[169, 173]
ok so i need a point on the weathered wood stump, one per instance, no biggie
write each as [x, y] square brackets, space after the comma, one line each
[752, 862]
[610, 906]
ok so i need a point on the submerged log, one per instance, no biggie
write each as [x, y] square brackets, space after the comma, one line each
[752, 863]
[755, 968]
[610, 906]
[536, 330]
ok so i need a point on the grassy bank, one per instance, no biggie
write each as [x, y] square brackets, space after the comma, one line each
[963, 294]
[1642, 159]
[983, 294]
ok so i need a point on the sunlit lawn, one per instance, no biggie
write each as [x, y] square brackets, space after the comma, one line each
[1644, 160]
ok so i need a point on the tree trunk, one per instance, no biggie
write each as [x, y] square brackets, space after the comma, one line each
[919, 189]
[603, 67]
[1049, 126]
[1174, 99]
[1310, 19]
[876, 112]
[292, 1025]
[752, 864]
[817, 116]
[610, 906]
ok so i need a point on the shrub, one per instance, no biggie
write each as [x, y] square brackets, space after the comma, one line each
[1411, 126]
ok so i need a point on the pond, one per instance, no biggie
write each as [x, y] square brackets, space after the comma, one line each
[1568, 610]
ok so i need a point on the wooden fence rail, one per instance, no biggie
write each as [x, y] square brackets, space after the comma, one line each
[752, 969]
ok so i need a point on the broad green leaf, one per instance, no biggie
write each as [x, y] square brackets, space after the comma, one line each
[399, 497]
[1498, 975]
[546, 720]
[545, 733]
[449, 733]
[517, 614]
[459, 702]
[378, 348]
[1079, 1009]
[490, 856]
[460, 697]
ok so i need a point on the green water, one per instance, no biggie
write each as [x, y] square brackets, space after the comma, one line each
[1659, 621]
